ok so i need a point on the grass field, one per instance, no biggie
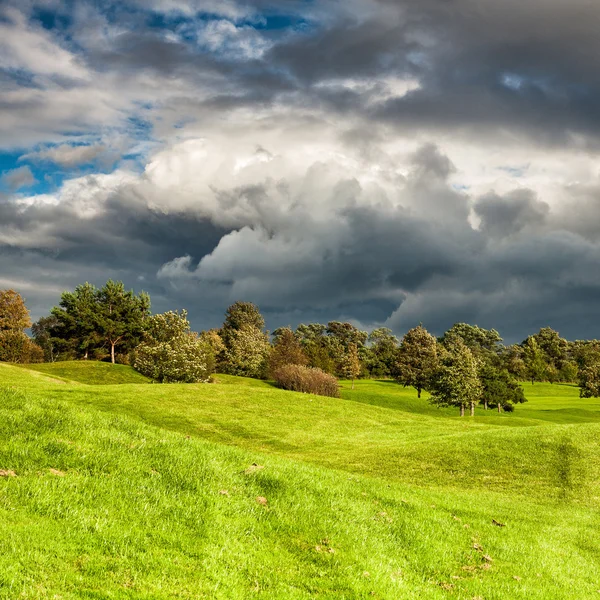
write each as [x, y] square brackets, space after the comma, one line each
[131, 490]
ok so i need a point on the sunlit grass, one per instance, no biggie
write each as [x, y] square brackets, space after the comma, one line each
[376, 494]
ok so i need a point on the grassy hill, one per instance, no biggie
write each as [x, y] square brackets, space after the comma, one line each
[150, 491]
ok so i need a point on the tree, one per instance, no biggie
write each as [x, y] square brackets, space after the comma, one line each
[456, 381]
[171, 352]
[120, 316]
[499, 388]
[351, 364]
[246, 344]
[42, 334]
[474, 337]
[286, 350]
[589, 381]
[323, 351]
[247, 354]
[15, 345]
[241, 314]
[417, 359]
[383, 349]
[569, 371]
[74, 330]
[14, 315]
[533, 357]
[554, 347]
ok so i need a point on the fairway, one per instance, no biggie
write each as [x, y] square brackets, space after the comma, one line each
[138, 490]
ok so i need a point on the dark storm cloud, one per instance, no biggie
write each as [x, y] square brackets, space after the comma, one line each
[501, 216]
[392, 236]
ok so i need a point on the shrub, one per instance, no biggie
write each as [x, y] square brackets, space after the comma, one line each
[171, 352]
[309, 380]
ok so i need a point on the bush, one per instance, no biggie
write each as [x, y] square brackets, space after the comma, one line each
[309, 380]
[171, 352]
[16, 347]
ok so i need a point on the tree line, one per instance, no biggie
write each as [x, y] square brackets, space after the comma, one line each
[466, 366]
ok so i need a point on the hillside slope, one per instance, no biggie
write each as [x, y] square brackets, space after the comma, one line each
[116, 495]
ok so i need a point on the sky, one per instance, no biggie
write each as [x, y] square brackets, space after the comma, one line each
[383, 162]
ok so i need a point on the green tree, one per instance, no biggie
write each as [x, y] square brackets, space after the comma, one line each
[42, 334]
[246, 344]
[247, 353]
[14, 315]
[351, 363]
[456, 381]
[171, 352]
[554, 347]
[241, 314]
[589, 381]
[474, 337]
[120, 316]
[381, 361]
[75, 330]
[533, 357]
[569, 371]
[499, 388]
[322, 350]
[417, 359]
[286, 350]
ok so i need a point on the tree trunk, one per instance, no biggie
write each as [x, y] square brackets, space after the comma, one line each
[352, 385]
[462, 410]
[85, 356]
[418, 392]
[485, 405]
[112, 354]
[499, 407]
[532, 381]
[472, 409]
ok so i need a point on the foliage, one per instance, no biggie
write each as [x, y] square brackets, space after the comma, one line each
[247, 352]
[381, 361]
[239, 315]
[171, 352]
[417, 359]
[499, 388]
[533, 357]
[322, 351]
[286, 350]
[474, 337]
[246, 345]
[14, 315]
[589, 381]
[42, 334]
[74, 328]
[456, 381]
[120, 316]
[17, 347]
[309, 380]
[351, 363]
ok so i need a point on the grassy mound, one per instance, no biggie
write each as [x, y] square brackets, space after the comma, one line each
[157, 491]
[90, 372]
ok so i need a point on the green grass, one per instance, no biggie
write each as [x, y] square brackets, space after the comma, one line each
[375, 495]
[90, 372]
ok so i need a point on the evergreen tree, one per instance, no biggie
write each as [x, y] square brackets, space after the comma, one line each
[417, 359]
[120, 316]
